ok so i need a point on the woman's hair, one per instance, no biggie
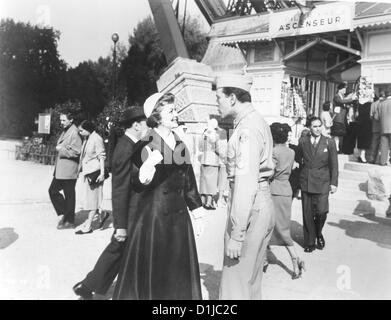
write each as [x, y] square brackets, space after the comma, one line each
[287, 127]
[88, 126]
[279, 132]
[155, 118]
[341, 86]
[326, 106]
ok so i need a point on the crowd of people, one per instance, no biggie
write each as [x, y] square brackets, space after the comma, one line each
[366, 126]
[158, 210]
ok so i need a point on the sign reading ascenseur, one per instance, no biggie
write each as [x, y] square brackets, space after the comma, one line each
[323, 18]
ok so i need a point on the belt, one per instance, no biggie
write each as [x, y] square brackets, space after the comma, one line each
[263, 183]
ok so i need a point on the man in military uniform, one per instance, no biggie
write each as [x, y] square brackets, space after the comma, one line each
[251, 213]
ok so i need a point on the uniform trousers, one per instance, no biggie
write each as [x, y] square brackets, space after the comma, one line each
[315, 209]
[64, 204]
[242, 278]
[106, 268]
[385, 146]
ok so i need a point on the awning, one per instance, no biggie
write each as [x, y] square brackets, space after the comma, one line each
[241, 29]
[240, 38]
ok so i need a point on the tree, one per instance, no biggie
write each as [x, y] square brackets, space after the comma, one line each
[145, 60]
[84, 85]
[31, 75]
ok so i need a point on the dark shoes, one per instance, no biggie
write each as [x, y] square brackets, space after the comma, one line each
[103, 217]
[80, 231]
[320, 243]
[66, 225]
[80, 290]
[309, 249]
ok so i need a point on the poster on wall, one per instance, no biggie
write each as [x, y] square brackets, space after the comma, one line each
[44, 123]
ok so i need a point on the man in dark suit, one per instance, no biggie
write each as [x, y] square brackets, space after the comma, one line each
[318, 177]
[106, 269]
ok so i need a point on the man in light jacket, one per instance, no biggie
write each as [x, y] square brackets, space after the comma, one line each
[385, 127]
[65, 172]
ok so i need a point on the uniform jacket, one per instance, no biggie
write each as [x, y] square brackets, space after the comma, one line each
[249, 160]
[67, 161]
[283, 158]
[93, 150]
[385, 116]
[121, 180]
[319, 165]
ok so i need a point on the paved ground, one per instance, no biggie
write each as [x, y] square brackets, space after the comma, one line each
[39, 262]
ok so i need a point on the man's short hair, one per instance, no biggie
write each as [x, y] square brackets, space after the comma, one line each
[241, 95]
[311, 119]
[68, 114]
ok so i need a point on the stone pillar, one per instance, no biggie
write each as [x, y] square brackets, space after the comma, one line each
[191, 83]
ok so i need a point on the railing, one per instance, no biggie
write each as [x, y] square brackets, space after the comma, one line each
[36, 153]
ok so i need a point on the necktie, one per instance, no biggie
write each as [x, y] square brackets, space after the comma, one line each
[314, 143]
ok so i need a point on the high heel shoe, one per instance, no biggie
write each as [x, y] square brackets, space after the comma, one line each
[301, 265]
[296, 271]
[298, 268]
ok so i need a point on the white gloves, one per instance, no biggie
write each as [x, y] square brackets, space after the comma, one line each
[147, 169]
[198, 221]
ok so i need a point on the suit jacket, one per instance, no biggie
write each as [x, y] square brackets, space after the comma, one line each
[93, 150]
[385, 116]
[121, 180]
[283, 158]
[67, 161]
[320, 165]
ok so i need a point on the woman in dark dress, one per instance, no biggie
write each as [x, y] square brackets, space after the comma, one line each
[340, 102]
[160, 259]
[364, 135]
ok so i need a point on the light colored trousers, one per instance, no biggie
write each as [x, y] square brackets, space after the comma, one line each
[242, 278]
[385, 146]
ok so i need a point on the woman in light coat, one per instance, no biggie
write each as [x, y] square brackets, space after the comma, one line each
[92, 159]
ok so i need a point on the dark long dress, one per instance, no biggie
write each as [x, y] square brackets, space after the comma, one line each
[364, 134]
[160, 259]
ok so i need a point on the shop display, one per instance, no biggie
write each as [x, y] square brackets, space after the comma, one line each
[292, 102]
[366, 91]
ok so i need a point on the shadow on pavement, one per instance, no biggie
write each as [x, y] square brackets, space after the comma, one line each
[297, 233]
[363, 187]
[378, 230]
[7, 237]
[272, 259]
[211, 279]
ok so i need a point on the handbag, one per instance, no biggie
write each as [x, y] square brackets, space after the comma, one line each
[91, 177]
